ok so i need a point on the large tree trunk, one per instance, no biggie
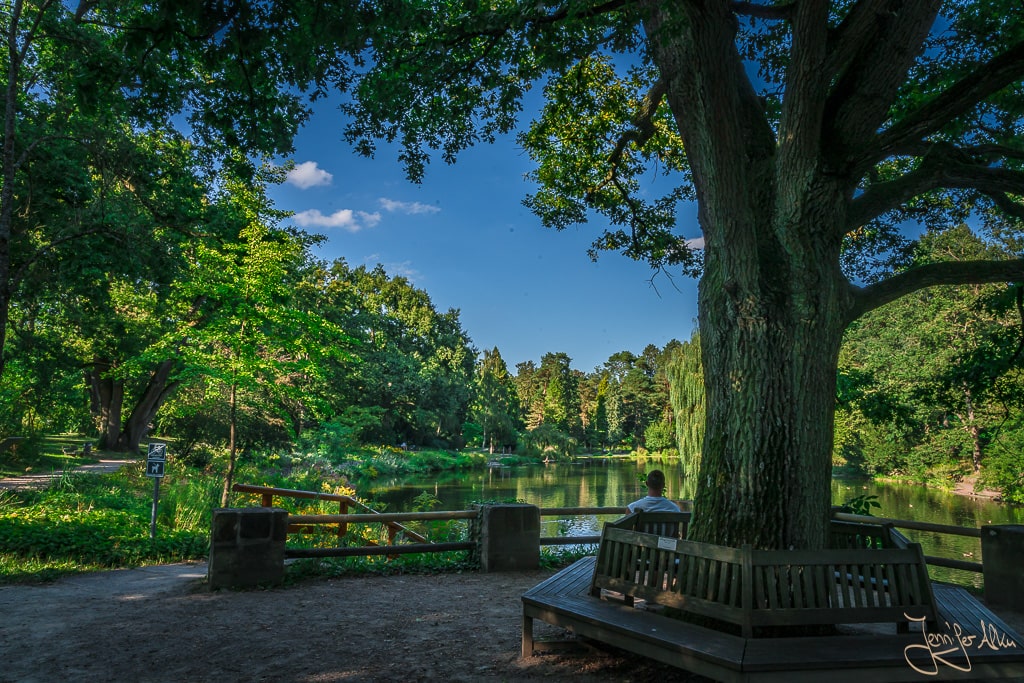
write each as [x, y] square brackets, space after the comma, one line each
[772, 301]
[158, 389]
[970, 422]
[769, 357]
[107, 400]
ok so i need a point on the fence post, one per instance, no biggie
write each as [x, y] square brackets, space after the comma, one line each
[1002, 557]
[247, 547]
[508, 537]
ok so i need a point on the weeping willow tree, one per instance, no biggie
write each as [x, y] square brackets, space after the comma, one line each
[686, 395]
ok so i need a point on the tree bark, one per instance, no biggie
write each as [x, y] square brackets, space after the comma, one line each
[8, 170]
[107, 400]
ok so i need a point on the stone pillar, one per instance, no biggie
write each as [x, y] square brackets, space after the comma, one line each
[508, 537]
[247, 547]
[1002, 555]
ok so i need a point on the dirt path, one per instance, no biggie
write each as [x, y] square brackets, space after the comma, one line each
[162, 624]
[42, 480]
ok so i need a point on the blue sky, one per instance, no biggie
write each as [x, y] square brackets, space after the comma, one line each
[465, 238]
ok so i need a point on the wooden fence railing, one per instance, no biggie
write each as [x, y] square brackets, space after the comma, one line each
[392, 521]
[925, 526]
[267, 494]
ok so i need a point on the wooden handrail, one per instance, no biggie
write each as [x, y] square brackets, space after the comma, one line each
[389, 550]
[908, 524]
[551, 512]
[268, 493]
[382, 517]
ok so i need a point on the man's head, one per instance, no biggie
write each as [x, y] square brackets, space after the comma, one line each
[656, 480]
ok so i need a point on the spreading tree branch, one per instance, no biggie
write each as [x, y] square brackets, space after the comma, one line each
[942, 166]
[959, 98]
[1007, 205]
[929, 275]
[641, 131]
[847, 40]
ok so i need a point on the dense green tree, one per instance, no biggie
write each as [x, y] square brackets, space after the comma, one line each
[414, 365]
[88, 301]
[938, 366]
[637, 394]
[530, 389]
[561, 394]
[81, 78]
[495, 406]
[600, 422]
[660, 436]
[251, 337]
[447, 375]
[807, 132]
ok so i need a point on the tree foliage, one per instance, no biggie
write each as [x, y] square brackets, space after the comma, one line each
[100, 95]
[939, 369]
[412, 364]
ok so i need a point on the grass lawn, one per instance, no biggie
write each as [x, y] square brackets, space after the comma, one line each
[43, 454]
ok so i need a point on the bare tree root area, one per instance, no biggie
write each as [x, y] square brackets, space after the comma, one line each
[163, 624]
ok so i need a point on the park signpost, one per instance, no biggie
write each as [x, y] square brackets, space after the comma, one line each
[156, 459]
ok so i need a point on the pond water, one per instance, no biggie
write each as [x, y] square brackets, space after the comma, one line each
[614, 482]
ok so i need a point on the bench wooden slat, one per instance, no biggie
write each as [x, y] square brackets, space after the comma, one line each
[862, 583]
[727, 583]
[691, 573]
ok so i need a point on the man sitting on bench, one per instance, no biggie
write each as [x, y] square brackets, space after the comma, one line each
[655, 501]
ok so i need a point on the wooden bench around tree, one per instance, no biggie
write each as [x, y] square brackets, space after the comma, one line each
[755, 592]
[874, 576]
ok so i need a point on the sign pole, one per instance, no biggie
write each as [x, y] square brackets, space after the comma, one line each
[156, 499]
[155, 460]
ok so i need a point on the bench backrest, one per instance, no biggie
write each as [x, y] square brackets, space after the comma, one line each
[754, 588]
[674, 524]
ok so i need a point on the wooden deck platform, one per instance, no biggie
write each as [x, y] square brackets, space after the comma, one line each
[971, 642]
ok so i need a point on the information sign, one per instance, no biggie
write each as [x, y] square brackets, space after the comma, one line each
[156, 458]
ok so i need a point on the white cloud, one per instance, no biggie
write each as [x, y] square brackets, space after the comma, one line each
[346, 219]
[403, 269]
[407, 207]
[308, 174]
[695, 242]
